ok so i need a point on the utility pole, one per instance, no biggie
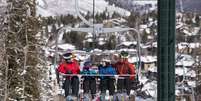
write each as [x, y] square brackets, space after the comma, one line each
[166, 50]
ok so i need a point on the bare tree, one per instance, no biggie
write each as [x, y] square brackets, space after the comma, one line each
[3, 58]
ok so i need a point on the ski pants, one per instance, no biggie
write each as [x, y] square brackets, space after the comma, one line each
[89, 84]
[107, 84]
[124, 84]
[72, 82]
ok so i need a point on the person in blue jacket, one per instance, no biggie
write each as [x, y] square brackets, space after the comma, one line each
[107, 83]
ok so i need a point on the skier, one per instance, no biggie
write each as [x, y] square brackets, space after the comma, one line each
[70, 67]
[107, 83]
[124, 67]
[89, 83]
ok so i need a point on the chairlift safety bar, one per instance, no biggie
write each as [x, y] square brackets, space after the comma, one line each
[97, 75]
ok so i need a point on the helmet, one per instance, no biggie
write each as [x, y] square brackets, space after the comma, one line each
[87, 63]
[67, 56]
[124, 54]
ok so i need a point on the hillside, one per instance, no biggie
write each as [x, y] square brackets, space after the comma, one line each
[64, 7]
[190, 5]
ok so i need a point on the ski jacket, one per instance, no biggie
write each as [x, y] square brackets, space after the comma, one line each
[107, 70]
[69, 68]
[125, 68]
[87, 70]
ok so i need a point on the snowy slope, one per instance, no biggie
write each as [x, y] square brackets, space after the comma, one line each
[144, 2]
[153, 3]
[58, 7]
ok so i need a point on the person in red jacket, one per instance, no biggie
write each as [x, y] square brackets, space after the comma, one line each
[70, 67]
[123, 67]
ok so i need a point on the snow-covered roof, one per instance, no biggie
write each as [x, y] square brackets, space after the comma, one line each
[150, 37]
[89, 40]
[89, 35]
[101, 42]
[191, 73]
[118, 20]
[101, 39]
[96, 50]
[143, 26]
[191, 33]
[183, 45]
[196, 30]
[150, 19]
[154, 44]
[177, 92]
[38, 35]
[150, 23]
[192, 83]
[145, 46]
[147, 30]
[187, 32]
[65, 46]
[128, 43]
[128, 50]
[195, 45]
[185, 63]
[179, 25]
[184, 60]
[116, 23]
[185, 71]
[49, 27]
[148, 59]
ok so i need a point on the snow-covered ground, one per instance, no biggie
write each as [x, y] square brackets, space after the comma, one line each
[64, 7]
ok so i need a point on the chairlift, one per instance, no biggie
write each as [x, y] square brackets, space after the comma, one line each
[97, 29]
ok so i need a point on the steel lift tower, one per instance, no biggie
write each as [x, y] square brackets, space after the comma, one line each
[166, 50]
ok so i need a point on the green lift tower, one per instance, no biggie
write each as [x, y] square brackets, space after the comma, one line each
[166, 50]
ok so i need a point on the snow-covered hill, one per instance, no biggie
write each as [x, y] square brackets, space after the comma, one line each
[189, 5]
[141, 6]
[58, 7]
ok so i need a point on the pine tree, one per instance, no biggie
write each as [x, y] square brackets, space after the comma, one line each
[111, 44]
[54, 29]
[74, 38]
[134, 20]
[22, 51]
[197, 20]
